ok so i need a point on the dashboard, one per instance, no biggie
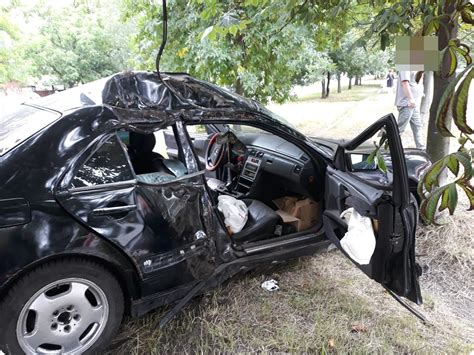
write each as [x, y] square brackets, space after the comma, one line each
[267, 153]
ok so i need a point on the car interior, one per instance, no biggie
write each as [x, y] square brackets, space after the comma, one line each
[150, 166]
[273, 177]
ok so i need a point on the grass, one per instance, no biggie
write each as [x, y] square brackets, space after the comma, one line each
[322, 303]
[357, 93]
[325, 304]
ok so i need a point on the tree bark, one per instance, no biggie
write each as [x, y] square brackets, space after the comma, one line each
[438, 146]
[327, 85]
[350, 83]
[239, 88]
[428, 95]
[323, 88]
[338, 83]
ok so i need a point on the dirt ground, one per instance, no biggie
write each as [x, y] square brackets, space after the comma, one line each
[325, 304]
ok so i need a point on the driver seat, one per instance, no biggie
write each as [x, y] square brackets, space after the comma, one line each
[261, 222]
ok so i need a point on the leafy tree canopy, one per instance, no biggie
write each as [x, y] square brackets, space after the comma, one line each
[79, 44]
[257, 47]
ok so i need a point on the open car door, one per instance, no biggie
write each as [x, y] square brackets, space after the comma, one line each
[385, 199]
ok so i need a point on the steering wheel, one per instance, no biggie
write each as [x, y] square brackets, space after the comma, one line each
[215, 152]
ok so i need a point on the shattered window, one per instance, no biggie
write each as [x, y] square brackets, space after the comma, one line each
[109, 164]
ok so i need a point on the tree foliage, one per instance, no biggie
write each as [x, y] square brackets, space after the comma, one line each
[11, 69]
[259, 48]
[64, 44]
[78, 44]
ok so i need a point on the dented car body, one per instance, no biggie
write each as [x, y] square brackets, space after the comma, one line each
[77, 185]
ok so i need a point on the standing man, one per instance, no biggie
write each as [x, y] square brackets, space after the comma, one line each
[407, 100]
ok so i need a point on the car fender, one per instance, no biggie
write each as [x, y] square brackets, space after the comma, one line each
[82, 243]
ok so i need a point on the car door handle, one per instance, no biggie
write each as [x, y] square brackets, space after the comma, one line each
[104, 211]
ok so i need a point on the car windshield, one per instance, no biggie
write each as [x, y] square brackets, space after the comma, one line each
[278, 118]
[20, 122]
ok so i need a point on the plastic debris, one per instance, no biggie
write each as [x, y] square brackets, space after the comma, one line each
[270, 285]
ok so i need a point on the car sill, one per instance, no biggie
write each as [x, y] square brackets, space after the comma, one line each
[284, 243]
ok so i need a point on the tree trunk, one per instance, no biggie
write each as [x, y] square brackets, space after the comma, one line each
[338, 83]
[323, 88]
[360, 80]
[239, 88]
[428, 95]
[350, 83]
[356, 80]
[437, 145]
[327, 85]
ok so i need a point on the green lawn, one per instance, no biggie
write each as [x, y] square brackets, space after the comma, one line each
[357, 93]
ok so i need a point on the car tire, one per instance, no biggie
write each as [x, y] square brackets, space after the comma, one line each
[76, 304]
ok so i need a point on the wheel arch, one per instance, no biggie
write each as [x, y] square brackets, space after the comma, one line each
[123, 271]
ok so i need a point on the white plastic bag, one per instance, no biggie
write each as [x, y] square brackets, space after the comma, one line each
[235, 212]
[359, 240]
[270, 285]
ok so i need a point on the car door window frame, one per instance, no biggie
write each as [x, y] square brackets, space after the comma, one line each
[104, 186]
[399, 177]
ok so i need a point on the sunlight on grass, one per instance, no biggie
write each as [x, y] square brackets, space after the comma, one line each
[357, 93]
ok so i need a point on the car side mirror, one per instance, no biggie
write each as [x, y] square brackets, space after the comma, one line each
[359, 162]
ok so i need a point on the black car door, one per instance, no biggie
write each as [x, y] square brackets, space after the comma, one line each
[161, 226]
[385, 199]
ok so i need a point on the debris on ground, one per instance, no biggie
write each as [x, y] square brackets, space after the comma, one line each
[270, 285]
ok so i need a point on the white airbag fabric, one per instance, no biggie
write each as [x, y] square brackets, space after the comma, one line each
[359, 240]
[235, 212]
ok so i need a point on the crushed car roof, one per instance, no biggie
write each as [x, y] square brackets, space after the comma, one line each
[144, 90]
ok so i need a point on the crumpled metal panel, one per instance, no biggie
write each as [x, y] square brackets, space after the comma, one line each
[144, 90]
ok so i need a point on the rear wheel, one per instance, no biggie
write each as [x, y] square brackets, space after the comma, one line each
[67, 307]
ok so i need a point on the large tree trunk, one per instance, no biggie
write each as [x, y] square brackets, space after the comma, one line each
[438, 146]
[356, 80]
[323, 88]
[360, 80]
[350, 83]
[338, 83]
[428, 95]
[327, 85]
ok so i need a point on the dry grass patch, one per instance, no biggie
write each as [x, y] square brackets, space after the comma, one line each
[324, 304]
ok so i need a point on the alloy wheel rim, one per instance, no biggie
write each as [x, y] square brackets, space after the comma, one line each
[64, 317]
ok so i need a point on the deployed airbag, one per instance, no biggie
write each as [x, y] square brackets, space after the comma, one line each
[359, 240]
[235, 212]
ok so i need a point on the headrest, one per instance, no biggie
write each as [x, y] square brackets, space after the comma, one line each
[142, 143]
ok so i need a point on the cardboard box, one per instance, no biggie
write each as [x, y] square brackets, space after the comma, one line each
[303, 214]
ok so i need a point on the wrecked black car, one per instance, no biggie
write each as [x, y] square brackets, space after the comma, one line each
[109, 193]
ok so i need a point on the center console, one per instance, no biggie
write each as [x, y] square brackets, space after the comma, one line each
[250, 170]
[247, 177]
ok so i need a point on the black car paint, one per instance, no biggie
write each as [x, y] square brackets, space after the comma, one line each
[41, 168]
[397, 217]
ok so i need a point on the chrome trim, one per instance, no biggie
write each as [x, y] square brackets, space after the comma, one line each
[111, 210]
[111, 185]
